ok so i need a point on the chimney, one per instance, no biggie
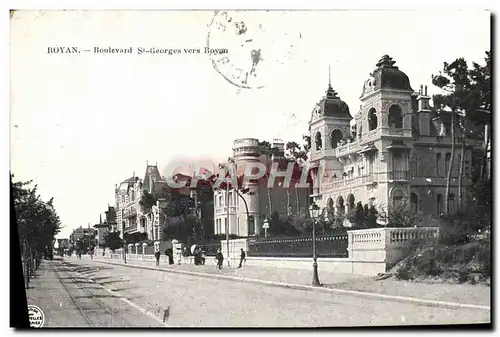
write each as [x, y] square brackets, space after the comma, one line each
[424, 110]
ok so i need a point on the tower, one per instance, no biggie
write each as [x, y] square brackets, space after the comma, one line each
[246, 151]
[384, 128]
[328, 128]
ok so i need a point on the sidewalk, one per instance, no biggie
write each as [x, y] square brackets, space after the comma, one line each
[46, 292]
[459, 293]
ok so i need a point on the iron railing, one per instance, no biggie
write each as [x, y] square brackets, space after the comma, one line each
[326, 246]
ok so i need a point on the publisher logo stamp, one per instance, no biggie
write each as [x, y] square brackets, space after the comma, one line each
[36, 316]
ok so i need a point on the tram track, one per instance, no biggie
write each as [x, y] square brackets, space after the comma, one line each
[95, 312]
[73, 300]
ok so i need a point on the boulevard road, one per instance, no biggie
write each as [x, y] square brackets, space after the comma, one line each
[142, 297]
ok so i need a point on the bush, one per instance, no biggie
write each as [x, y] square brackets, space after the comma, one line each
[467, 262]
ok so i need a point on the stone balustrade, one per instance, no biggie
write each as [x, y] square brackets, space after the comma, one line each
[371, 251]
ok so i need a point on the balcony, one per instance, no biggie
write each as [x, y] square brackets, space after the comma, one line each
[368, 178]
[347, 149]
[370, 136]
[131, 213]
[399, 175]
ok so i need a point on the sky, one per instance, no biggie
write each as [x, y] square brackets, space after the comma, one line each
[81, 123]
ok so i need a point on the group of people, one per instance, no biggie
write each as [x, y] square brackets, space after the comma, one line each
[168, 252]
[219, 258]
[199, 257]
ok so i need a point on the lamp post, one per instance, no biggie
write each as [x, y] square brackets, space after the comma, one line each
[265, 226]
[124, 246]
[314, 213]
[227, 221]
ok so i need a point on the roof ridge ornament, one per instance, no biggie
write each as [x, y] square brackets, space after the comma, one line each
[386, 61]
[330, 93]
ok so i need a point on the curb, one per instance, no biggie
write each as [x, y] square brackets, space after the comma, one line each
[432, 303]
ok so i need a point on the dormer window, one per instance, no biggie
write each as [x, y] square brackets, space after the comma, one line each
[372, 119]
[395, 117]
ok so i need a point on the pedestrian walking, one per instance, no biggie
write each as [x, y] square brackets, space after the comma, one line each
[219, 258]
[91, 253]
[157, 255]
[243, 256]
[185, 254]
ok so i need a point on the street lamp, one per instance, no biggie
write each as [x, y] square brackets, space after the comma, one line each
[265, 226]
[314, 213]
[227, 220]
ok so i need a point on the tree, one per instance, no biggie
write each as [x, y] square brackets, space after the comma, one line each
[402, 215]
[266, 149]
[357, 218]
[298, 154]
[113, 241]
[465, 92]
[147, 201]
[37, 224]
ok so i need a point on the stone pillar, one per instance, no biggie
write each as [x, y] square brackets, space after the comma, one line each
[144, 245]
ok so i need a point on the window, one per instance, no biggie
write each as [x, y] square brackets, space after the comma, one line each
[395, 117]
[318, 141]
[414, 202]
[335, 138]
[372, 119]
[416, 167]
[439, 204]
[350, 203]
[397, 198]
[451, 203]
[438, 164]
[251, 221]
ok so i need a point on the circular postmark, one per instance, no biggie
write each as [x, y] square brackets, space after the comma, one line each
[246, 46]
[36, 316]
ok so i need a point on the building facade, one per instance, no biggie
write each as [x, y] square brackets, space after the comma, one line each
[128, 209]
[397, 148]
[132, 214]
[110, 218]
[101, 229]
[81, 232]
[261, 201]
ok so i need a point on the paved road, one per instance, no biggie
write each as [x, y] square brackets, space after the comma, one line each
[183, 300]
[69, 298]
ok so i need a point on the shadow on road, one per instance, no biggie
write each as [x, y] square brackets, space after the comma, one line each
[99, 296]
[111, 282]
[101, 278]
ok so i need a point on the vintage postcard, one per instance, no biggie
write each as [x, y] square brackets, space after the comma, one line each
[250, 168]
